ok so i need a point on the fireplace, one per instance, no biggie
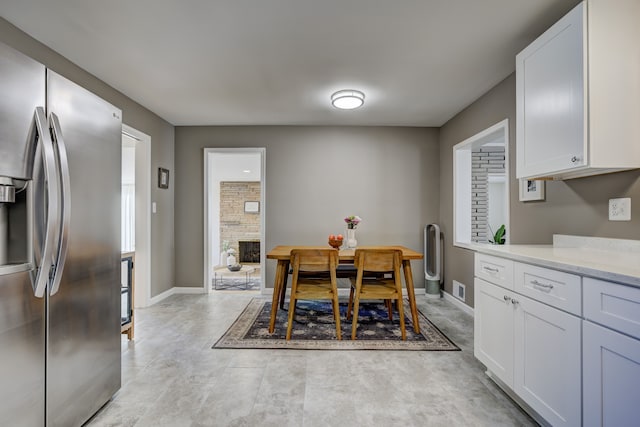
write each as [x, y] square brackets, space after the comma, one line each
[249, 251]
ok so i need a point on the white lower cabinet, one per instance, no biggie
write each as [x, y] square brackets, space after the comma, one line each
[567, 346]
[611, 377]
[611, 354]
[547, 367]
[533, 348]
[493, 329]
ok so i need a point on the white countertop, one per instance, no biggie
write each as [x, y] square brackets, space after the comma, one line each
[616, 260]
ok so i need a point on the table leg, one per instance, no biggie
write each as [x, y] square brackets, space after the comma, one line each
[408, 278]
[283, 289]
[281, 271]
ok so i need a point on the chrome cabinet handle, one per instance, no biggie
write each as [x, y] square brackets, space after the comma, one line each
[575, 159]
[542, 285]
[507, 298]
[490, 269]
[515, 302]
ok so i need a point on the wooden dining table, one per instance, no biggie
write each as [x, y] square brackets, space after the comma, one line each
[346, 256]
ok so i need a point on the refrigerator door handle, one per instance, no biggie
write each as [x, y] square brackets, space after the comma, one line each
[49, 162]
[65, 208]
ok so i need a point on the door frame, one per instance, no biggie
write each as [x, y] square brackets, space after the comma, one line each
[462, 174]
[142, 268]
[208, 239]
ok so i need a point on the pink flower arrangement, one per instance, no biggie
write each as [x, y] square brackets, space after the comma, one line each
[352, 221]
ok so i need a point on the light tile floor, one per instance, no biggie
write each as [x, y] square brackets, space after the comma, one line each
[172, 377]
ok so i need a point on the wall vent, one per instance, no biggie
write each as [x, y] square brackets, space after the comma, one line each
[459, 290]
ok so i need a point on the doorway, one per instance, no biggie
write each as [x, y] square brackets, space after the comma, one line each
[234, 209]
[136, 237]
[481, 186]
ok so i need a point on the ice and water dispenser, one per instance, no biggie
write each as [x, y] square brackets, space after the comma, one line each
[14, 222]
[20, 168]
[23, 123]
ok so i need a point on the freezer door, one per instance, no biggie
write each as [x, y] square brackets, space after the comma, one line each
[83, 355]
[22, 344]
[21, 91]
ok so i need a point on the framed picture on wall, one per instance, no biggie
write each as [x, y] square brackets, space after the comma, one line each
[252, 207]
[531, 190]
[163, 178]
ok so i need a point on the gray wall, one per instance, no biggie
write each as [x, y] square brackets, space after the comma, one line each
[578, 206]
[136, 116]
[315, 176]
[397, 179]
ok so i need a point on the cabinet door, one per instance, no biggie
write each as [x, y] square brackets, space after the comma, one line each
[550, 98]
[493, 329]
[611, 375]
[547, 361]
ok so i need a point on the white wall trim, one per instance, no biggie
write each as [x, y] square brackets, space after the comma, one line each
[188, 290]
[161, 296]
[175, 290]
[459, 304]
[142, 266]
[461, 209]
[208, 266]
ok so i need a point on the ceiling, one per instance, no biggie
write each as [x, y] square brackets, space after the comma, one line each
[276, 62]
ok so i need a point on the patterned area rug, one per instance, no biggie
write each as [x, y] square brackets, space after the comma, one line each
[314, 329]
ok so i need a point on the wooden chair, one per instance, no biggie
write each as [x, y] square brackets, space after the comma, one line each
[371, 283]
[347, 271]
[308, 284]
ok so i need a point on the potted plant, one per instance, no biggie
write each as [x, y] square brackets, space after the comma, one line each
[498, 236]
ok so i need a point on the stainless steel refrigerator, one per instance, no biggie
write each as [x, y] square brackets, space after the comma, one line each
[60, 181]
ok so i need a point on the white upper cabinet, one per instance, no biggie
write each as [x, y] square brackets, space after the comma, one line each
[578, 94]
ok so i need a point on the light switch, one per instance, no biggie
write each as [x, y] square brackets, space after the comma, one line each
[620, 209]
[153, 207]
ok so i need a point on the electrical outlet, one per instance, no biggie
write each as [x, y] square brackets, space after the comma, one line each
[620, 209]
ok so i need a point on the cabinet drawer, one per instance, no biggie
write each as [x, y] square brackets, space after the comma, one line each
[558, 289]
[613, 305]
[494, 270]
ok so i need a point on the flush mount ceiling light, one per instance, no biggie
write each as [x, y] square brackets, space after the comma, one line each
[347, 99]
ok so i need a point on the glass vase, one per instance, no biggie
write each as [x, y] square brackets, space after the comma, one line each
[351, 238]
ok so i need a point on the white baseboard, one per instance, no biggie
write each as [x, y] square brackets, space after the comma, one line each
[191, 290]
[462, 306]
[173, 291]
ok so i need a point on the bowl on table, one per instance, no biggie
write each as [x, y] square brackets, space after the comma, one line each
[234, 267]
[335, 241]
